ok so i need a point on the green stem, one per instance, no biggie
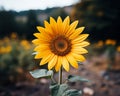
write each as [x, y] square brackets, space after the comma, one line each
[60, 76]
[53, 80]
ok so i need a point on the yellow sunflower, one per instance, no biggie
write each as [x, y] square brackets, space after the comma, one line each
[60, 43]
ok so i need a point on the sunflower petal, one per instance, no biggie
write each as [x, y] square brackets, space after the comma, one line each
[59, 20]
[52, 20]
[77, 32]
[41, 47]
[72, 28]
[80, 38]
[53, 25]
[82, 44]
[65, 64]
[78, 57]
[46, 24]
[46, 58]
[38, 56]
[41, 29]
[79, 50]
[42, 36]
[48, 28]
[73, 25]
[59, 63]
[52, 62]
[66, 23]
[41, 54]
[72, 60]
[66, 20]
[59, 25]
[36, 35]
[36, 41]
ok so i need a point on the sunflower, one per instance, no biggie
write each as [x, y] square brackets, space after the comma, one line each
[60, 44]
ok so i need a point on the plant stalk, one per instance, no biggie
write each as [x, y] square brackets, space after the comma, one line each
[60, 76]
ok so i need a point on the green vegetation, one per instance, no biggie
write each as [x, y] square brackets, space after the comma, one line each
[101, 17]
[15, 60]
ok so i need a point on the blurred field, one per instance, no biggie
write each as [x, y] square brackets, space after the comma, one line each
[15, 59]
[102, 66]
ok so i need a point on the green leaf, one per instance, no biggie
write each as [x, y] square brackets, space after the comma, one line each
[54, 89]
[58, 90]
[72, 78]
[41, 73]
[72, 92]
[62, 89]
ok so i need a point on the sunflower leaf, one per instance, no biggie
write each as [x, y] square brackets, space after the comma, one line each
[41, 73]
[54, 89]
[72, 78]
[62, 89]
[72, 92]
[58, 90]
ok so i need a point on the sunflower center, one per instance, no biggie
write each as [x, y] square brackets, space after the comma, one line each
[60, 46]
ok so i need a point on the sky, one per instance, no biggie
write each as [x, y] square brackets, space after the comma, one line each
[19, 5]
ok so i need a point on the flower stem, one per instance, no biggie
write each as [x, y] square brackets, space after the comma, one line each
[60, 76]
[53, 80]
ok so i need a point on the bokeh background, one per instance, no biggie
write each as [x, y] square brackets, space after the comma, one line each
[18, 21]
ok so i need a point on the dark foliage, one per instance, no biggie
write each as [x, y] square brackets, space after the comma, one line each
[24, 23]
[101, 17]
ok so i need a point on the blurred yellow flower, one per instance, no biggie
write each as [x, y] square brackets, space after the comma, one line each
[60, 43]
[6, 49]
[118, 48]
[13, 35]
[110, 42]
[1, 42]
[6, 40]
[2, 50]
[25, 44]
[100, 43]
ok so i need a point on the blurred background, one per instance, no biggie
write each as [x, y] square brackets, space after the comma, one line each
[18, 21]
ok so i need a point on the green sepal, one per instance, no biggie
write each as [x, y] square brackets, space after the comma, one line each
[41, 73]
[72, 78]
